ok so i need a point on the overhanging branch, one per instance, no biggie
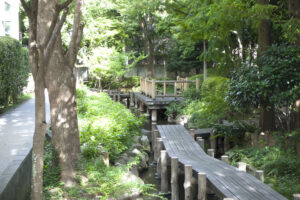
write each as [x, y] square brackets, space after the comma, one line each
[54, 35]
[26, 8]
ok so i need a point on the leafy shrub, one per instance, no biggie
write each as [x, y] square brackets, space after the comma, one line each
[173, 110]
[104, 125]
[212, 106]
[14, 69]
[281, 166]
[191, 94]
[275, 80]
[234, 132]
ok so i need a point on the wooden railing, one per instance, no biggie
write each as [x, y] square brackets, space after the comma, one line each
[148, 87]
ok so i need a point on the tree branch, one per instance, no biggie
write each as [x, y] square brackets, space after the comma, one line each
[72, 53]
[51, 29]
[55, 18]
[52, 40]
[26, 8]
[77, 45]
[64, 5]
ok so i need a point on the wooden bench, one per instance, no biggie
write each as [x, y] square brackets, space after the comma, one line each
[225, 180]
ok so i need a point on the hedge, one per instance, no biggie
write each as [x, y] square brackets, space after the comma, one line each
[14, 70]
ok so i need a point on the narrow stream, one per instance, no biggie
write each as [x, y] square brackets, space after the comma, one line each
[148, 176]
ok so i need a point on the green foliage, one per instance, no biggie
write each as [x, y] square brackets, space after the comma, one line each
[108, 67]
[51, 171]
[280, 73]
[173, 110]
[281, 166]
[104, 124]
[234, 132]
[183, 57]
[212, 106]
[192, 94]
[14, 70]
[94, 179]
[274, 81]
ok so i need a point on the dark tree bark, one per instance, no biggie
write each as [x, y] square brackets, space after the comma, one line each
[148, 46]
[294, 8]
[45, 23]
[61, 84]
[267, 118]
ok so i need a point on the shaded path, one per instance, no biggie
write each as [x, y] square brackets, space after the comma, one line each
[16, 137]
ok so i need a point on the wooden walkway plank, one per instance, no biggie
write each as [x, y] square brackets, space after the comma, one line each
[228, 180]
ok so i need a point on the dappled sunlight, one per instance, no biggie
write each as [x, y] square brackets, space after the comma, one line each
[105, 123]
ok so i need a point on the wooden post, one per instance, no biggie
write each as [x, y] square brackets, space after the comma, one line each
[154, 115]
[212, 140]
[225, 159]
[187, 84]
[135, 103]
[153, 91]
[141, 84]
[188, 173]
[165, 89]
[131, 100]
[226, 144]
[106, 158]
[142, 107]
[242, 166]
[192, 133]
[211, 152]
[159, 147]
[259, 174]
[145, 86]
[164, 175]
[175, 89]
[174, 178]
[296, 196]
[200, 141]
[201, 186]
[155, 136]
[114, 96]
[197, 84]
[119, 96]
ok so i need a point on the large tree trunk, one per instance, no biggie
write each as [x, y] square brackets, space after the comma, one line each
[204, 61]
[294, 8]
[267, 118]
[64, 123]
[45, 23]
[38, 140]
[150, 60]
[61, 84]
[148, 47]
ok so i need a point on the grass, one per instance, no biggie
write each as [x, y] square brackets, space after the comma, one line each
[20, 100]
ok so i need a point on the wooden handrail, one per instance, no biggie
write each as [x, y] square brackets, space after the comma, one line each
[148, 87]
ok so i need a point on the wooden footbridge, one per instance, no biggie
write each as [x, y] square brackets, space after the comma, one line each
[226, 181]
[149, 99]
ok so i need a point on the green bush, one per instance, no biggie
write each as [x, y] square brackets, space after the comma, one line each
[174, 109]
[212, 107]
[234, 132]
[14, 70]
[112, 83]
[281, 166]
[275, 80]
[104, 125]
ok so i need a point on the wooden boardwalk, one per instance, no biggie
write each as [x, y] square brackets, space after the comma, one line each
[226, 181]
[158, 102]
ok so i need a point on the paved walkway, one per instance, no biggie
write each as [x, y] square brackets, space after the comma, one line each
[16, 136]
